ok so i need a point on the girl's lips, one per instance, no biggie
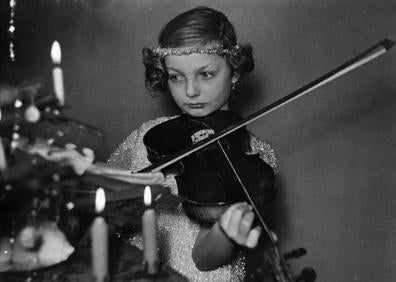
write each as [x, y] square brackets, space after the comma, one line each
[195, 105]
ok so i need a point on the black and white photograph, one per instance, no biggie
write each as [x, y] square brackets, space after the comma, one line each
[174, 140]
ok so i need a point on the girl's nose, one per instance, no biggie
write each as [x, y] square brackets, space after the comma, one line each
[192, 88]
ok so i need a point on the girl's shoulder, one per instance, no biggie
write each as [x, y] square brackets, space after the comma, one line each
[131, 153]
[147, 125]
[265, 151]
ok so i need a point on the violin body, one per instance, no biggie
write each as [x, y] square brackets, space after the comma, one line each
[205, 179]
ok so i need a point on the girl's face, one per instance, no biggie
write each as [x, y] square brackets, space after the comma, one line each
[200, 84]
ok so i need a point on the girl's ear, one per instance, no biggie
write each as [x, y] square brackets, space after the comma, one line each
[235, 77]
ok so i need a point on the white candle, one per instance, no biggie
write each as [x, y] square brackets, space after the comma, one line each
[99, 235]
[3, 158]
[149, 226]
[57, 73]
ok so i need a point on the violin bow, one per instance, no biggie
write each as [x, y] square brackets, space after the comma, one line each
[370, 54]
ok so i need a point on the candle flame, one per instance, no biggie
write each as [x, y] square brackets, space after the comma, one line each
[56, 52]
[147, 196]
[100, 200]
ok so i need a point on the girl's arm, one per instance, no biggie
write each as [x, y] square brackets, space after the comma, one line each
[218, 245]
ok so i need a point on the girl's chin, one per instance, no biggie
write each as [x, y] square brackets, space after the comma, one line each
[198, 112]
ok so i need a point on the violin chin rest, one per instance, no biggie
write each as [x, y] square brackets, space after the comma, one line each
[207, 213]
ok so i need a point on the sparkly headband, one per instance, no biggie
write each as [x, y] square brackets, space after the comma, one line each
[218, 50]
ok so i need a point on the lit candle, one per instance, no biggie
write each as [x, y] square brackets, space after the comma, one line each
[149, 226]
[57, 73]
[99, 235]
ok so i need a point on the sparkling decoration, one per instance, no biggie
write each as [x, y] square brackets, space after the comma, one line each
[70, 206]
[32, 114]
[11, 29]
[218, 50]
[16, 127]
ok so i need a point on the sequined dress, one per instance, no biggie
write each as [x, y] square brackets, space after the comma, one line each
[176, 231]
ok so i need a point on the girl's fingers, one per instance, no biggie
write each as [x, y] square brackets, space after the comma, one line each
[253, 237]
[237, 222]
[228, 214]
[246, 223]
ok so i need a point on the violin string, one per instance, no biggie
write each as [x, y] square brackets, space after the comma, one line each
[282, 270]
[255, 209]
[282, 267]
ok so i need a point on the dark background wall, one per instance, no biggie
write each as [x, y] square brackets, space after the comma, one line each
[335, 146]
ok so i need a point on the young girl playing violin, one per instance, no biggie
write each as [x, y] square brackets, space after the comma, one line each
[198, 61]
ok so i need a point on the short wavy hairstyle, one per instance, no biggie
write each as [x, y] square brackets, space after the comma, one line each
[200, 26]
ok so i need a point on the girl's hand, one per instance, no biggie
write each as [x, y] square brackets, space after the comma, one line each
[236, 224]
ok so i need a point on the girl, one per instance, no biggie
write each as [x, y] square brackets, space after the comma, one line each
[198, 62]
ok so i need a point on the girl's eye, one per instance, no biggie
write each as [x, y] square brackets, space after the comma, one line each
[175, 78]
[206, 74]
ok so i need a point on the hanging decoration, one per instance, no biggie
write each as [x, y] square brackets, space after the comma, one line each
[11, 29]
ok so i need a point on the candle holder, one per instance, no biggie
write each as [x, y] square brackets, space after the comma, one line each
[100, 279]
[143, 274]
